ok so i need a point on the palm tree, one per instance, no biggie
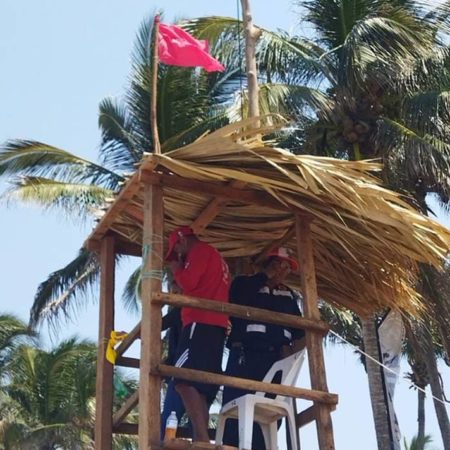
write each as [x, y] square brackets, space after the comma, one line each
[13, 333]
[51, 393]
[48, 400]
[189, 103]
[365, 85]
[382, 72]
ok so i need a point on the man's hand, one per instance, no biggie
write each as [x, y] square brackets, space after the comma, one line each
[176, 264]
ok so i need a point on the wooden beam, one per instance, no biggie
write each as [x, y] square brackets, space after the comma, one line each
[134, 334]
[104, 381]
[244, 312]
[123, 361]
[121, 247]
[212, 209]
[128, 248]
[136, 213]
[308, 415]
[123, 197]
[125, 409]
[243, 383]
[152, 257]
[180, 444]
[220, 190]
[182, 432]
[126, 428]
[314, 342]
[305, 417]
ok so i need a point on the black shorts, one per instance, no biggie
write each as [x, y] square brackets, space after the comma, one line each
[201, 348]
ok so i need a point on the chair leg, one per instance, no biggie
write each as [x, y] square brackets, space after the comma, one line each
[220, 429]
[295, 441]
[246, 415]
[273, 434]
[266, 433]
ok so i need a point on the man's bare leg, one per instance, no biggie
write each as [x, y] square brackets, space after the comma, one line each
[197, 410]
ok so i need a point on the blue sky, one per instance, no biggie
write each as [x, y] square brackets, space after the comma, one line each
[59, 59]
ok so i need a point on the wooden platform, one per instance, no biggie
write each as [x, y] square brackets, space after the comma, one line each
[183, 444]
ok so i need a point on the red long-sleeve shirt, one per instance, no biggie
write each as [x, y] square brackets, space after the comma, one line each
[205, 274]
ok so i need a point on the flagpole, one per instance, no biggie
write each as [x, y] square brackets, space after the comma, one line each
[153, 113]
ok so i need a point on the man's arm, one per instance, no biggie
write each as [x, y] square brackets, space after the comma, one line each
[188, 275]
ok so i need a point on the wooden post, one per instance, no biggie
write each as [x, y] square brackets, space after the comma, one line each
[152, 259]
[313, 339]
[104, 384]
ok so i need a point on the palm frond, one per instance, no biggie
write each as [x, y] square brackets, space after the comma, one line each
[383, 49]
[332, 21]
[280, 57]
[428, 112]
[32, 158]
[138, 94]
[76, 200]
[118, 149]
[293, 101]
[12, 331]
[65, 289]
[131, 295]
[416, 156]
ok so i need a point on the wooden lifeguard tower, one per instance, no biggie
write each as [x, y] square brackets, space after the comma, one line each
[358, 246]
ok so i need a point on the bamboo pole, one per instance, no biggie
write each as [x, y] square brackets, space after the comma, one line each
[252, 34]
[250, 385]
[244, 312]
[134, 334]
[149, 381]
[104, 383]
[123, 412]
[313, 340]
[153, 106]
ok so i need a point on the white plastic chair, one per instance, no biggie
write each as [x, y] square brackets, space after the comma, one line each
[265, 411]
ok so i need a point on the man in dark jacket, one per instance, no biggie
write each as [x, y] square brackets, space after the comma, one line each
[256, 346]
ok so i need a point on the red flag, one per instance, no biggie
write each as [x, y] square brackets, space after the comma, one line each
[178, 48]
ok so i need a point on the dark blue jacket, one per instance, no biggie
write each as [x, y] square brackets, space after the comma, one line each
[253, 291]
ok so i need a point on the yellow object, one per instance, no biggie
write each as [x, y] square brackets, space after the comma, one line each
[115, 338]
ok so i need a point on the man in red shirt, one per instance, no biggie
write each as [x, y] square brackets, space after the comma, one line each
[200, 271]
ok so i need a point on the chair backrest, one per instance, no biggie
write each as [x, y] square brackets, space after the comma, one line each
[289, 368]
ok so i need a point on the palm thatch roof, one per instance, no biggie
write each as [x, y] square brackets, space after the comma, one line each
[367, 240]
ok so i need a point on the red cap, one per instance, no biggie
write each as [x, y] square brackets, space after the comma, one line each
[174, 236]
[286, 254]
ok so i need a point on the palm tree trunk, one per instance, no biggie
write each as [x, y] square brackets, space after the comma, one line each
[436, 389]
[420, 419]
[374, 374]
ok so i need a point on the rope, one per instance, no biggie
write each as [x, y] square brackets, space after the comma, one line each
[155, 274]
[384, 367]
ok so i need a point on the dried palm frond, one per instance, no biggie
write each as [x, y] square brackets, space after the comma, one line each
[367, 240]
